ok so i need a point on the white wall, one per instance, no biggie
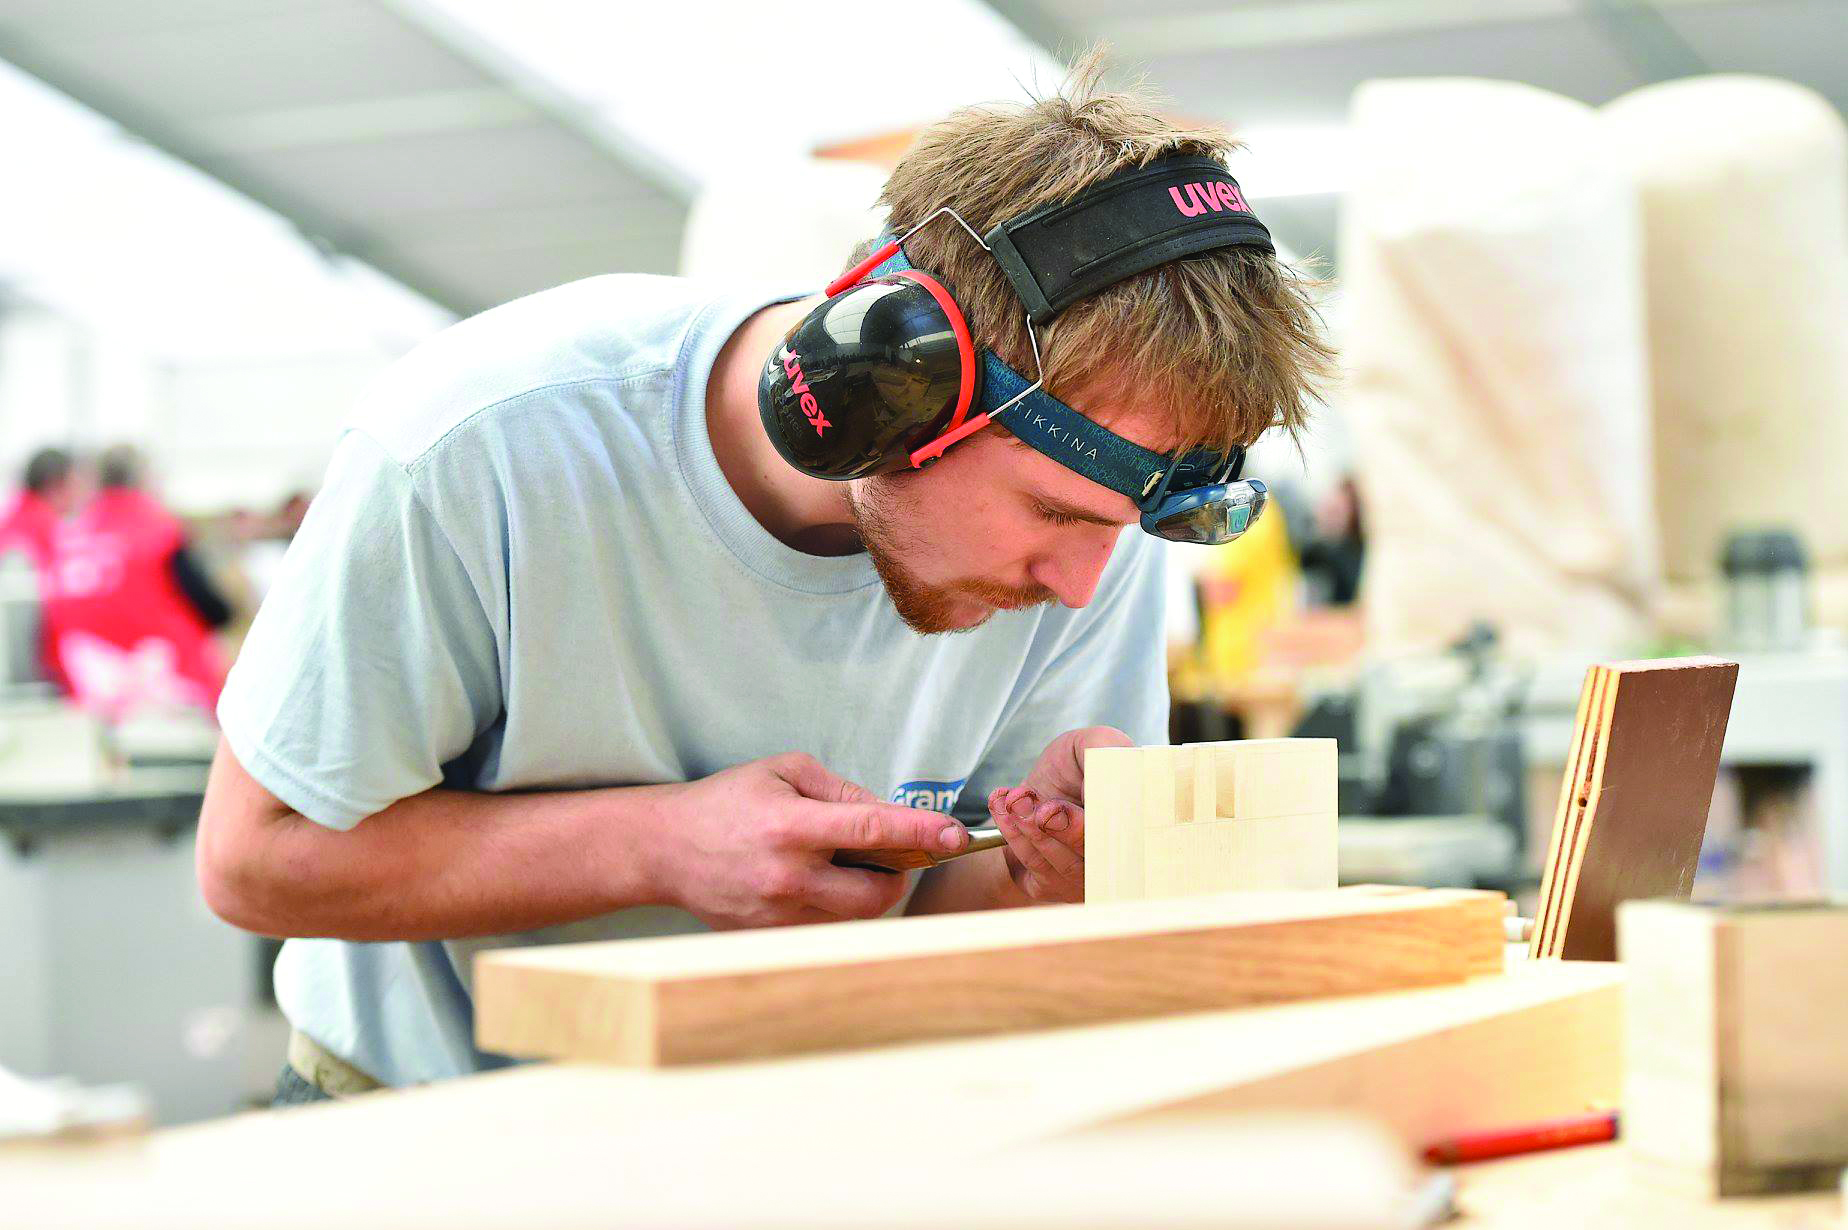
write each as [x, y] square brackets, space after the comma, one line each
[248, 432]
[220, 431]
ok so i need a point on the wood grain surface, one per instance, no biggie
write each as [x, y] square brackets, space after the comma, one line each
[698, 998]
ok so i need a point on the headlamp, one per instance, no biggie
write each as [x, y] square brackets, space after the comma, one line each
[1196, 502]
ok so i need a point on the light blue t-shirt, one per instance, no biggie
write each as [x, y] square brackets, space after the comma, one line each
[526, 571]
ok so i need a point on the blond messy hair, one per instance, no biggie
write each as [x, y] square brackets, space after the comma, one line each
[1225, 345]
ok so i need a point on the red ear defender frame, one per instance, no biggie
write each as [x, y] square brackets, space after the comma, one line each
[868, 375]
[884, 373]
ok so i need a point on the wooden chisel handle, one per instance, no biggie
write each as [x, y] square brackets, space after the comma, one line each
[986, 837]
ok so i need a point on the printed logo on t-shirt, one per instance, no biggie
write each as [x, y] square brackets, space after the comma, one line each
[936, 796]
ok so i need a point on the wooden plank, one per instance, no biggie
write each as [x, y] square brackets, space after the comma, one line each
[1159, 821]
[1738, 1068]
[1540, 1043]
[761, 1144]
[460, 1172]
[1440, 1076]
[1641, 790]
[696, 998]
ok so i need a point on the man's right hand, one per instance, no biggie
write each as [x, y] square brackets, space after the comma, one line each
[751, 846]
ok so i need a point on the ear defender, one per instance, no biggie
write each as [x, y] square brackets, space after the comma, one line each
[884, 374]
[869, 377]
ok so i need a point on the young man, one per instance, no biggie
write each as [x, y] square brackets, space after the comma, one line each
[565, 649]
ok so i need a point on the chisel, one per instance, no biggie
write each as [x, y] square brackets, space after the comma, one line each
[981, 837]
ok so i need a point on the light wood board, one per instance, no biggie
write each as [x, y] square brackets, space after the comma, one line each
[1634, 798]
[1256, 814]
[1257, 1172]
[697, 998]
[896, 1137]
[1737, 1044]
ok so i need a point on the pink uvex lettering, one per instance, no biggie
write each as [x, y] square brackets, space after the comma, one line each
[1218, 196]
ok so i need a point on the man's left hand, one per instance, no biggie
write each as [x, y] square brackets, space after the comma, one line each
[1043, 817]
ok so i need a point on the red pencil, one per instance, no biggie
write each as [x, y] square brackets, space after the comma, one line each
[1531, 1138]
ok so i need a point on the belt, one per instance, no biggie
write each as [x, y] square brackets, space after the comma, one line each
[325, 1070]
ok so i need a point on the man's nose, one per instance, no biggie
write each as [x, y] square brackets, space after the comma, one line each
[1073, 570]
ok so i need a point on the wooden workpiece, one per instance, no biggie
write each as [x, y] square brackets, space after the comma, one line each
[1737, 1056]
[931, 1134]
[1634, 799]
[1209, 817]
[696, 998]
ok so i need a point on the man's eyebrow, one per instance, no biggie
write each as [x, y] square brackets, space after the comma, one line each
[1073, 512]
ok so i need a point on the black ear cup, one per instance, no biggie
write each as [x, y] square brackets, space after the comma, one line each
[862, 380]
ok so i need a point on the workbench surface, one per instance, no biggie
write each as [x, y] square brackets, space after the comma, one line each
[491, 1152]
[163, 799]
[1591, 1187]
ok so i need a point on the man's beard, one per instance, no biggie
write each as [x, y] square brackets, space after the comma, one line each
[926, 609]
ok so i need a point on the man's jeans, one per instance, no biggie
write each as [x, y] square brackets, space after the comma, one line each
[292, 1090]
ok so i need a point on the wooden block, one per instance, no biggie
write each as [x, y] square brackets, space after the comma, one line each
[1634, 799]
[1147, 810]
[694, 998]
[1263, 777]
[1737, 1044]
[1268, 853]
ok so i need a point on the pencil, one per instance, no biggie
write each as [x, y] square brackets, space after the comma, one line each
[1529, 1138]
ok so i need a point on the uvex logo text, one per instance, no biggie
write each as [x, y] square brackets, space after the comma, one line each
[792, 364]
[1217, 195]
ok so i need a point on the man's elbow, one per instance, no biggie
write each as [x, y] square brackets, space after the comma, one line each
[236, 840]
[229, 881]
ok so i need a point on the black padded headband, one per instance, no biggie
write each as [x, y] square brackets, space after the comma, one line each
[1126, 225]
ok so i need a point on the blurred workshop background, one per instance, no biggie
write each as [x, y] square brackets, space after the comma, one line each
[1587, 262]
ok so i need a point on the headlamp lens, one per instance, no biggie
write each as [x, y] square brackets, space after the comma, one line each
[1210, 515]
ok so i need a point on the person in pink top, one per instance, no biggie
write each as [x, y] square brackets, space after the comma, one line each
[49, 491]
[128, 611]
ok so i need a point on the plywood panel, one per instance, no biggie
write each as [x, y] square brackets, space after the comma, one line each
[1633, 804]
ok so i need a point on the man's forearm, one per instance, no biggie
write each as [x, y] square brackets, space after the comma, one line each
[977, 882]
[444, 864]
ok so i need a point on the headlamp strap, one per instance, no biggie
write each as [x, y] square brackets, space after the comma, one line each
[1049, 426]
